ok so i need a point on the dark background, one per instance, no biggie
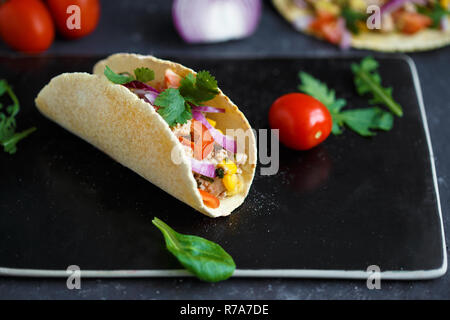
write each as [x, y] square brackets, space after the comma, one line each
[146, 27]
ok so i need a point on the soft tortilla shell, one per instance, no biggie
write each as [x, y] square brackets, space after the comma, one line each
[126, 128]
[388, 42]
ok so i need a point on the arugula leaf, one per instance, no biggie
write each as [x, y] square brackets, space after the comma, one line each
[362, 121]
[352, 18]
[144, 74]
[8, 137]
[205, 259]
[367, 80]
[172, 107]
[117, 78]
[199, 89]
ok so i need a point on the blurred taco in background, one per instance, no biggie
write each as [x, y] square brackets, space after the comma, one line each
[405, 25]
[163, 121]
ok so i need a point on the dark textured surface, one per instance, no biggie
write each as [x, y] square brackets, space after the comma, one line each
[149, 30]
[323, 210]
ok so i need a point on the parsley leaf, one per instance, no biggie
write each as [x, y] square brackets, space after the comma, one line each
[144, 74]
[172, 107]
[117, 78]
[8, 137]
[367, 80]
[199, 89]
[362, 121]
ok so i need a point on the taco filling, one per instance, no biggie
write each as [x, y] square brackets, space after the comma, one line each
[337, 20]
[216, 164]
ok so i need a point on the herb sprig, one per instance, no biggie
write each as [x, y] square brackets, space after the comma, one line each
[368, 81]
[362, 121]
[205, 259]
[8, 136]
[174, 104]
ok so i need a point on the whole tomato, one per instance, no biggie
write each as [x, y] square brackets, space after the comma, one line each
[26, 25]
[303, 121]
[67, 13]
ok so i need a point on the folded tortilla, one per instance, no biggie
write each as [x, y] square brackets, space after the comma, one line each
[388, 42]
[116, 121]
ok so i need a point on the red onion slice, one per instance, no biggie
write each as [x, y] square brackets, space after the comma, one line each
[203, 21]
[203, 168]
[226, 142]
[392, 5]
[208, 109]
[140, 85]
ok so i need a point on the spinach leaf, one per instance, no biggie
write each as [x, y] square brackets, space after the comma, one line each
[205, 259]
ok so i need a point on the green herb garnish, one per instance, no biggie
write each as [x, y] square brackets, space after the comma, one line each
[436, 13]
[175, 103]
[220, 172]
[367, 80]
[140, 74]
[205, 259]
[362, 121]
[352, 18]
[8, 136]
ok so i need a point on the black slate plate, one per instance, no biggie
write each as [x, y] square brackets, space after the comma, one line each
[329, 212]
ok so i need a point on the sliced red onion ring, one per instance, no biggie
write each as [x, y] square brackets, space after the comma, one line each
[226, 142]
[346, 38]
[140, 85]
[204, 168]
[444, 25]
[203, 21]
[208, 109]
[392, 5]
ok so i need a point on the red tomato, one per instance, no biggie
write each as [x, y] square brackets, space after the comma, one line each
[327, 27]
[303, 121]
[26, 25]
[171, 79]
[65, 17]
[411, 22]
[209, 200]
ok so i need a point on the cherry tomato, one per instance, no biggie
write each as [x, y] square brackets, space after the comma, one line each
[26, 25]
[209, 200]
[171, 79]
[65, 17]
[303, 121]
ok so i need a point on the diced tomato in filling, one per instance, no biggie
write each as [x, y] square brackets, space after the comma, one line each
[201, 141]
[171, 79]
[327, 27]
[411, 22]
[209, 200]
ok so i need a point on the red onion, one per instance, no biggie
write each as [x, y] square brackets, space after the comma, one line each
[346, 38]
[203, 21]
[207, 109]
[140, 85]
[203, 168]
[226, 142]
[393, 5]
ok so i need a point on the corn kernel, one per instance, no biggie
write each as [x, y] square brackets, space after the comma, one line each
[211, 122]
[328, 7]
[230, 182]
[358, 5]
[445, 4]
[229, 166]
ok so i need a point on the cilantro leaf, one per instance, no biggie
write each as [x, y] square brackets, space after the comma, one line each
[362, 121]
[199, 89]
[367, 80]
[117, 78]
[144, 74]
[352, 18]
[172, 107]
[8, 137]
[436, 13]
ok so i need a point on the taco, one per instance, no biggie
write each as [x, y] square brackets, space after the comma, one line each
[172, 126]
[404, 25]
